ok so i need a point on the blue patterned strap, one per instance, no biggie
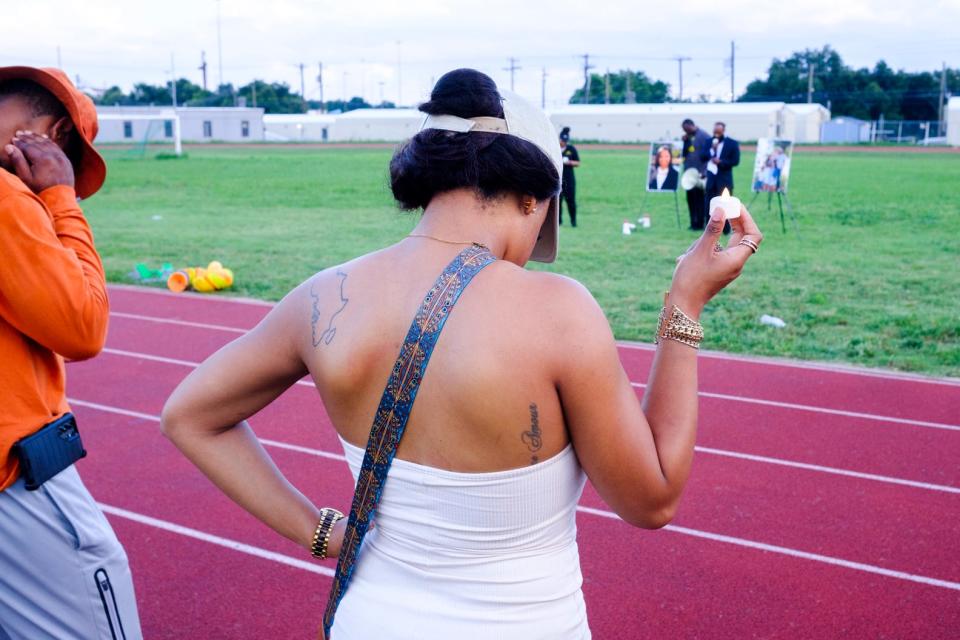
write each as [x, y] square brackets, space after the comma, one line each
[396, 403]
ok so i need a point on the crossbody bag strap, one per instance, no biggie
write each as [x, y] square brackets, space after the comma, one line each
[396, 403]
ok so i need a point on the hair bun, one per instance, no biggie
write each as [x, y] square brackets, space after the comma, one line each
[466, 93]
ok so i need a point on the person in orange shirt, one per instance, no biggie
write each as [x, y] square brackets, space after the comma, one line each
[63, 573]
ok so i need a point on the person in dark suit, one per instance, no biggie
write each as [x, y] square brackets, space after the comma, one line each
[722, 156]
[663, 177]
[696, 143]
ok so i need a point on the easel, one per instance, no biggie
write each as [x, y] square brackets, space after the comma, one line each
[781, 198]
[676, 203]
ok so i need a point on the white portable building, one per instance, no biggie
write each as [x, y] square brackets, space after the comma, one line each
[953, 121]
[376, 125]
[745, 121]
[298, 127]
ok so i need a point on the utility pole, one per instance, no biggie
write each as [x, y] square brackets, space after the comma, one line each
[203, 68]
[173, 83]
[733, 56]
[513, 68]
[219, 51]
[680, 60]
[606, 87]
[323, 106]
[381, 83]
[59, 60]
[303, 89]
[811, 69]
[543, 89]
[630, 97]
[253, 93]
[943, 92]
[586, 77]
[399, 75]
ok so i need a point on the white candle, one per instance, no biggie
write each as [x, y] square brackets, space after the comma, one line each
[729, 204]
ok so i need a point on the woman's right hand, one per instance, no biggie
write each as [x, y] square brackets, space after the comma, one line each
[703, 270]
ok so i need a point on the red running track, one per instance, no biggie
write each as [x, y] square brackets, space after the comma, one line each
[824, 502]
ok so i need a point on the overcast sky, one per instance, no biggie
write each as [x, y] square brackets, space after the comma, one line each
[394, 48]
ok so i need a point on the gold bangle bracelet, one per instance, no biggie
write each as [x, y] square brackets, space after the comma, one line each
[321, 535]
[678, 327]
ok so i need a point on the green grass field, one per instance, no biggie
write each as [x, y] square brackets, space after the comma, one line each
[871, 274]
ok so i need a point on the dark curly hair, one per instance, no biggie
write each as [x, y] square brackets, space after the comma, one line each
[493, 164]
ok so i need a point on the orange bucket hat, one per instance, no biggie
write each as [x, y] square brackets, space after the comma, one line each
[90, 168]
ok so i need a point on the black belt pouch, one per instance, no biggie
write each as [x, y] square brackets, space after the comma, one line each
[49, 451]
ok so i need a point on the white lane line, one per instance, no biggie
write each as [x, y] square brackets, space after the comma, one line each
[639, 385]
[205, 297]
[641, 346]
[849, 564]
[217, 540]
[771, 361]
[708, 450]
[312, 452]
[795, 553]
[827, 410]
[181, 323]
[176, 361]
[832, 470]
[154, 418]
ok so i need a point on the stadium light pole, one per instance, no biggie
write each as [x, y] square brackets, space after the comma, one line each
[810, 71]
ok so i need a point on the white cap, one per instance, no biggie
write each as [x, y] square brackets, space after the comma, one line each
[525, 121]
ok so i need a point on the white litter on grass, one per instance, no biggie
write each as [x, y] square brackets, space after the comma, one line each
[628, 227]
[644, 222]
[156, 217]
[772, 321]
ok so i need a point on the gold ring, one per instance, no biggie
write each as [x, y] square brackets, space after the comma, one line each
[750, 243]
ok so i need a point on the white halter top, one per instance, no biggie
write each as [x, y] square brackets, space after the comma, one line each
[469, 555]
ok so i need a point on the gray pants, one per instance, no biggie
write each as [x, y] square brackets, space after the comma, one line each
[63, 573]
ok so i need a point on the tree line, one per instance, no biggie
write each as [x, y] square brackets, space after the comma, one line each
[273, 97]
[861, 93]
